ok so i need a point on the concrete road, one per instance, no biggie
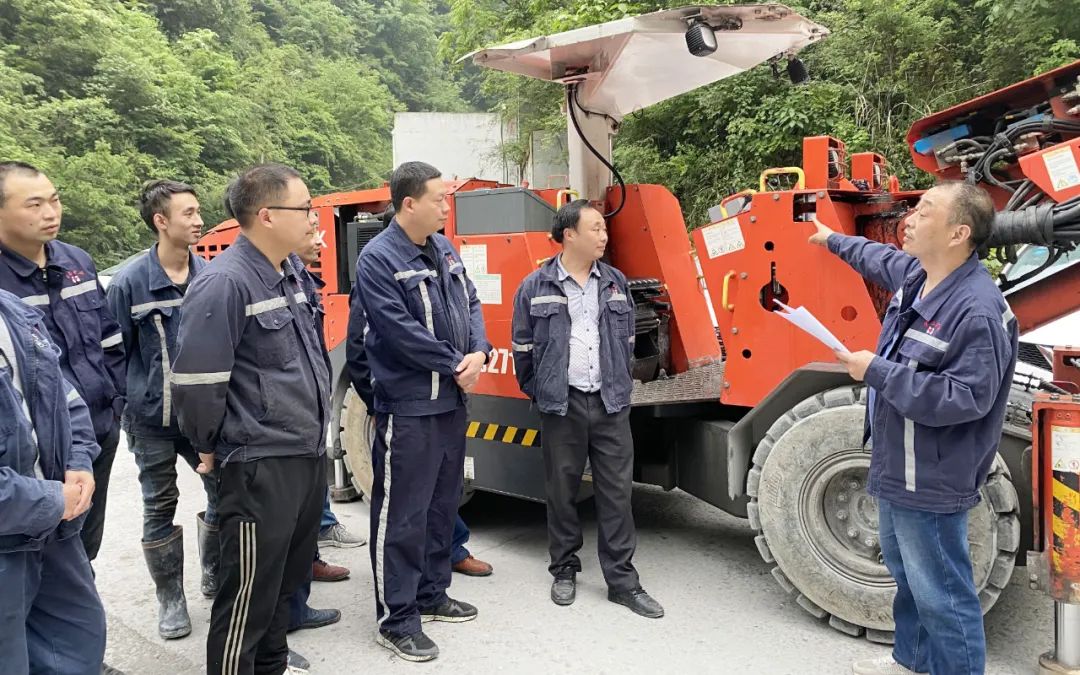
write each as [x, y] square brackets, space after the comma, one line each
[725, 614]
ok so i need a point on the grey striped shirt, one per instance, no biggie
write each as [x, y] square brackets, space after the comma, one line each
[584, 307]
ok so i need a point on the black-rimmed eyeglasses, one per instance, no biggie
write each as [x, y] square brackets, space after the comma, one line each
[307, 209]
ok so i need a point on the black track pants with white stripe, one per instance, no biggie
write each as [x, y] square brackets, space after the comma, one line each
[269, 512]
[419, 465]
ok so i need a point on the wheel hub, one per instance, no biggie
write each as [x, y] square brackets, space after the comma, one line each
[851, 513]
[841, 519]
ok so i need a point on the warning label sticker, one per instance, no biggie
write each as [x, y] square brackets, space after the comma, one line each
[723, 238]
[474, 256]
[488, 287]
[1066, 448]
[1061, 165]
[470, 469]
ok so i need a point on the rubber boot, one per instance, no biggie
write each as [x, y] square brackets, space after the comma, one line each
[210, 554]
[165, 560]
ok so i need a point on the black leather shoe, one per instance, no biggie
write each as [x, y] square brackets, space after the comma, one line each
[415, 647]
[297, 661]
[317, 618]
[638, 601]
[564, 590]
[452, 610]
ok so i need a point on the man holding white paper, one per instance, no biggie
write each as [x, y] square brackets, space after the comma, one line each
[938, 387]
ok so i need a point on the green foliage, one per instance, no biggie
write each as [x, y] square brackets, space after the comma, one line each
[886, 64]
[121, 92]
[104, 94]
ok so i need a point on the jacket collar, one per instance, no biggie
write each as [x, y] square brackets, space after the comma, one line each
[549, 271]
[561, 273]
[928, 306]
[25, 267]
[270, 276]
[405, 246]
[159, 279]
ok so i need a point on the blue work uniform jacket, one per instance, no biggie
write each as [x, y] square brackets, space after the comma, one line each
[541, 339]
[940, 380]
[312, 287]
[80, 323]
[420, 322]
[146, 304]
[59, 438]
[356, 362]
[250, 379]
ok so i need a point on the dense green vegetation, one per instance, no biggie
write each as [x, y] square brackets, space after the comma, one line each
[104, 94]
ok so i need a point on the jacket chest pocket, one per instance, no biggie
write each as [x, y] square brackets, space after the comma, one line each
[458, 285]
[88, 305]
[277, 338]
[550, 317]
[620, 316]
[424, 297]
[916, 353]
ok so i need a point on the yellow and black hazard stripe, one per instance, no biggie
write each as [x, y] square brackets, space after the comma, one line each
[504, 434]
[1066, 515]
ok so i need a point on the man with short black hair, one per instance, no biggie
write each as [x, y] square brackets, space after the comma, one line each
[61, 281]
[145, 298]
[938, 387]
[573, 342]
[425, 345]
[251, 390]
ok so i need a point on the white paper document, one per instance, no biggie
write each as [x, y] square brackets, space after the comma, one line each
[802, 318]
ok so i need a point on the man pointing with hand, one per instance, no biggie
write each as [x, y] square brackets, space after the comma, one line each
[938, 385]
[425, 345]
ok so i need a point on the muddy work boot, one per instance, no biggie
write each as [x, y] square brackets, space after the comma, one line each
[209, 554]
[165, 560]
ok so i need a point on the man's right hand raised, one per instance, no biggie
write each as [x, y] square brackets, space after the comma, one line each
[821, 236]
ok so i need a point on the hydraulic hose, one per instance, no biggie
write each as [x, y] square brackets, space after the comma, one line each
[571, 103]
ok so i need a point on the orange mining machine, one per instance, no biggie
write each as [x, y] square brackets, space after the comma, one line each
[731, 403]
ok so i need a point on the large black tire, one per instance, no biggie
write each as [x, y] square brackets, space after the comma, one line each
[357, 429]
[817, 526]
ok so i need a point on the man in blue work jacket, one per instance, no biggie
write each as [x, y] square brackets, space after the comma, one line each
[573, 343]
[251, 392]
[145, 298]
[938, 387]
[425, 345]
[61, 280]
[52, 619]
[461, 560]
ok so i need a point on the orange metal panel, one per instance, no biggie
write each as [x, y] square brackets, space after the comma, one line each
[1034, 167]
[648, 239]
[512, 257]
[762, 348]
[1056, 490]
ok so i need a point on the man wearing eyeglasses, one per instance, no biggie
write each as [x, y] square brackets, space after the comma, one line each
[251, 390]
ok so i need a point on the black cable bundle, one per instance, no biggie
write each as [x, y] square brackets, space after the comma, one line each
[571, 103]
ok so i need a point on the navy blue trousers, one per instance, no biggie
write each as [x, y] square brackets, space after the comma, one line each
[419, 466]
[52, 620]
[461, 537]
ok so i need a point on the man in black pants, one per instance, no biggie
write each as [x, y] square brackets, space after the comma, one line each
[251, 389]
[425, 345]
[573, 341]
